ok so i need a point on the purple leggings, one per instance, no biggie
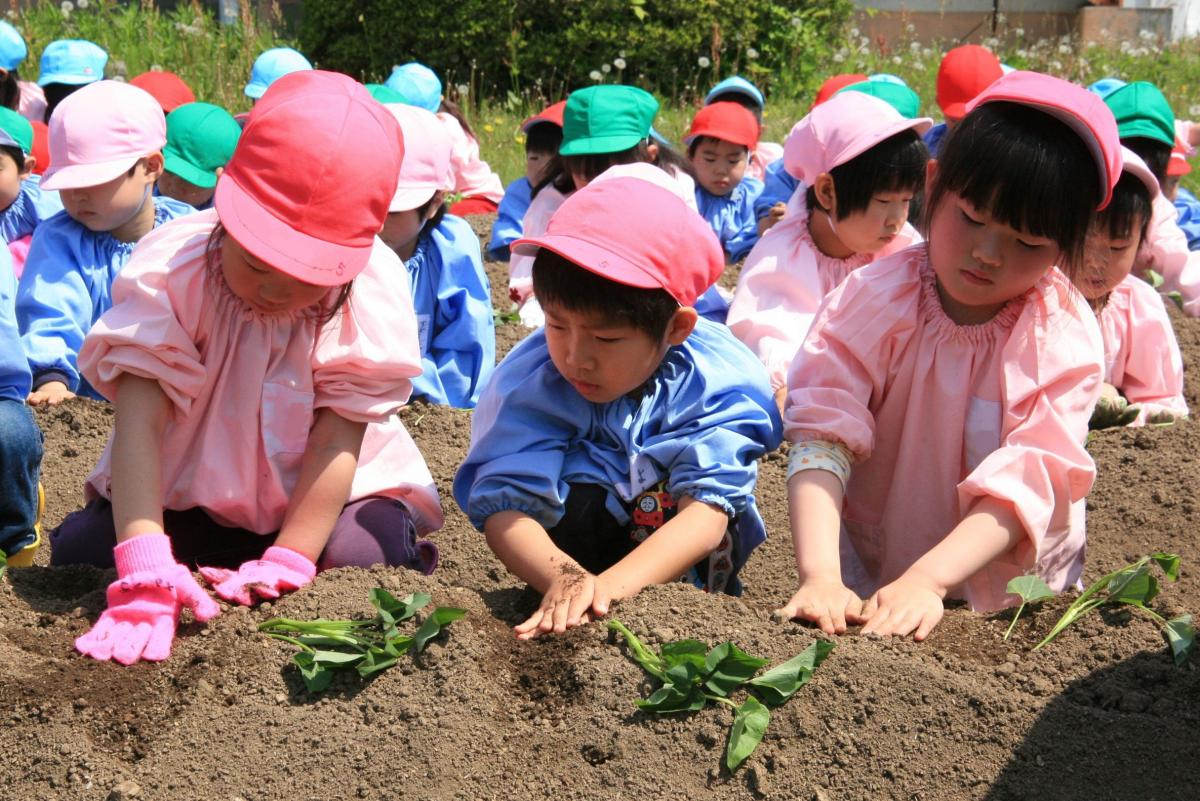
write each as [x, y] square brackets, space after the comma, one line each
[371, 531]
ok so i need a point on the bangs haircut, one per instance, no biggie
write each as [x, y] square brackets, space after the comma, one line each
[543, 137]
[1027, 170]
[1156, 154]
[562, 282]
[1128, 210]
[894, 165]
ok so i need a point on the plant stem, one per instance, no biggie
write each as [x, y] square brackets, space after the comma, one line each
[1013, 625]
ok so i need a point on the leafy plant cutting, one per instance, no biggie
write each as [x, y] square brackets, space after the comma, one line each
[1134, 585]
[1031, 589]
[367, 646]
[692, 676]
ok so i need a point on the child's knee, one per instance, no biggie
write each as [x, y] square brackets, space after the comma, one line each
[376, 531]
[20, 437]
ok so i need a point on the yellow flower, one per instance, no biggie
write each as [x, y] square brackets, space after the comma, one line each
[488, 127]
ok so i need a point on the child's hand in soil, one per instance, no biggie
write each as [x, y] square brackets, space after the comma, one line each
[827, 602]
[1112, 412]
[51, 393]
[909, 605]
[280, 570]
[1160, 418]
[572, 599]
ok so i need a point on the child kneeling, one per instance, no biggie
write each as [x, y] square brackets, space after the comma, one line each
[616, 447]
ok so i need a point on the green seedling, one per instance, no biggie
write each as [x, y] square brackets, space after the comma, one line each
[1134, 585]
[1155, 280]
[367, 646]
[3, 564]
[1031, 589]
[692, 676]
[510, 317]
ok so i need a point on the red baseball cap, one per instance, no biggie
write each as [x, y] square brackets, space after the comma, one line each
[286, 200]
[552, 114]
[731, 122]
[1077, 108]
[41, 146]
[166, 87]
[965, 72]
[1178, 163]
[634, 232]
[833, 85]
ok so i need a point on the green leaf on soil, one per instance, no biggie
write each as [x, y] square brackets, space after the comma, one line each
[781, 682]
[747, 732]
[649, 660]
[1181, 635]
[1154, 279]
[690, 651]
[3, 564]
[1031, 589]
[442, 616]
[1169, 562]
[316, 677]
[728, 667]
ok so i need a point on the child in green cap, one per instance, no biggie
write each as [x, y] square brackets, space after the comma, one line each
[23, 202]
[201, 139]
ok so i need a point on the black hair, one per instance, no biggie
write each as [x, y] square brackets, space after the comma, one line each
[16, 154]
[559, 172]
[543, 137]
[438, 216]
[699, 140]
[1130, 206]
[1156, 154]
[895, 164]
[564, 283]
[742, 99]
[670, 160]
[57, 93]
[451, 108]
[1027, 169]
[212, 261]
[10, 90]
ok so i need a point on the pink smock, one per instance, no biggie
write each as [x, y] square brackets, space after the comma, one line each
[244, 386]
[32, 103]
[472, 175]
[1141, 354]
[1165, 251]
[782, 284]
[763, 155]
[936, 416]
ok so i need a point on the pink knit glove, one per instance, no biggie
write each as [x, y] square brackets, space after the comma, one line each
[144, 603]
[280, 570]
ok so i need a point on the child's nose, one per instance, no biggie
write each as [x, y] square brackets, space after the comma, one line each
[986, 249]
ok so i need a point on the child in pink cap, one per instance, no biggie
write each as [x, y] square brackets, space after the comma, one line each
[1143, 369]
[617, 447]
[450, 290]
[939, 406]
[860, 162]
[254, 391]
[106, 143]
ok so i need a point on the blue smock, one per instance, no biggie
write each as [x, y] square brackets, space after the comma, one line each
[731, 216]
[510, 218]
[15, 379]
[778, 187]
[934, 138]
[1189, 216]
[31, 206]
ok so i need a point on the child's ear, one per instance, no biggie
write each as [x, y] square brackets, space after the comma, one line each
[153, 165]
[435, 203]
[652, 151]
[826, 193]
[930, 175]
[27, 168]
[682, 323]
[219, 171]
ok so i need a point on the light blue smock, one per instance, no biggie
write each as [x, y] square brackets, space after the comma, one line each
[31, 207]
[732, 217]
[15, 379]
[1188, 208]
[510, 218]
[778, 187]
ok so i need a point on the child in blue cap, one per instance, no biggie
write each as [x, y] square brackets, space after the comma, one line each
[25, 97]
[106, 144]
[20, 437]
[270, 66]
[23, 202]
[67, 66]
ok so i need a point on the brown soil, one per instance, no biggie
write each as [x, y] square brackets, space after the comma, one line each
[1100, 714]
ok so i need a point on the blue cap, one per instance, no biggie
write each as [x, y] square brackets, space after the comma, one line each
[1005, 68]
[419, 85]
[272, 65]
[72, 61]
[1106, 86]
[887, 77]
[12, 47]
[736, 84]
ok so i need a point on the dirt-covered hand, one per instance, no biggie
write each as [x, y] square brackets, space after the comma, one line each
[51, 393]
[909, 605]
[1113, 413]
[827, 602]
[569, 601]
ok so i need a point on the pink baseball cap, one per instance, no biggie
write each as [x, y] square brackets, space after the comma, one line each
[847, 125]
[288, 201]
[634, 232]
[99, 132]
[1132, 163]
[1082, 111]
[426, 166]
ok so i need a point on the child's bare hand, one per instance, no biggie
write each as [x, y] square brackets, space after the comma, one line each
[773, 216]
[909, 605]
[574, 598]
[51, 393]
[827, 602]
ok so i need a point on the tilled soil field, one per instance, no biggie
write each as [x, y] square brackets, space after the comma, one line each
[1101, 713]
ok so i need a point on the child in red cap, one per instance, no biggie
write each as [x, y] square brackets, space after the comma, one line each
[965, 71]
[617, 447]
[543, 134]
[254, 394]
[719, 143]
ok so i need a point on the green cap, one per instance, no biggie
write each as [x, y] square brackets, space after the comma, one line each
[899, 97]
[1141, 110]
[385, 94]
[606, 119]
[200, 138]
[16, 129]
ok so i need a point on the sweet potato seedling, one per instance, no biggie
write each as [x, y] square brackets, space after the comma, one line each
[3, 564]
[1134, 585]
[692, 676]
[1031, 589]
[368, 646]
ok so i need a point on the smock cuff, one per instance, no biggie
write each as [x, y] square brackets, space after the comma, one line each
[815, 454]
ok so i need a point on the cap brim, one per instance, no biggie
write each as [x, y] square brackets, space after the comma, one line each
[255, 90]
[176, 164]
[955, 111]
[725, 136]
[918, 124]
[68, 79]
[411, 197]
[76, 176]
[1145, 129]
[733, 90]
[599, 144]
[277, 243]
[586, 254]
[6, 140]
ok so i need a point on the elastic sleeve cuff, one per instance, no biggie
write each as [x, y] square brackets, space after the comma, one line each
[143, 553]
[47, 376]
[479, 515]
[712, 499]
[815, 454]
